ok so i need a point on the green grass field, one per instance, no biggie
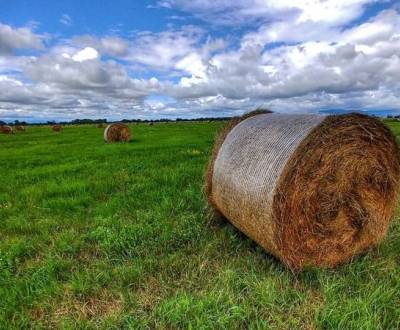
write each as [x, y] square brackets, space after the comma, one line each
[120, 236]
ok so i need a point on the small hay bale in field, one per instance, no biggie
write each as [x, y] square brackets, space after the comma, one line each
[57, 128]
[100, 126]
[151, 124]
[5, 129]
[312, 190]
[20, 128]
[117, 132]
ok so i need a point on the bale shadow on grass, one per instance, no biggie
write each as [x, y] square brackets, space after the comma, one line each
[216, 221]
[311, 276]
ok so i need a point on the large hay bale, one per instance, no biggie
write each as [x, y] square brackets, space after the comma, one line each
[5, 129]
[20, 128]
[117, 132]
[57, 128]
[312, 190]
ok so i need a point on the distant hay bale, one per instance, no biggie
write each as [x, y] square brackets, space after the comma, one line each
[312, 190]
[151, 124]
[100, 125]
[117, 132]
[5, 129]
[20, 128]
[57, 128]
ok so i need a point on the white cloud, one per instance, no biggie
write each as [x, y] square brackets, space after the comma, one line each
[382, 28]
[308, 27]
[66, 20]
[92, 75]
[226, 12]
[165, 49]
[18, 38]
[109, 45]
[85, 54]
[338, 67]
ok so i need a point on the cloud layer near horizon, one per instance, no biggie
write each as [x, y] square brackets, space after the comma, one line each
[314, 56]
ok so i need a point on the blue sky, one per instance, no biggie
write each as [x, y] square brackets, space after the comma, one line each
[62, 60]
[99, 18]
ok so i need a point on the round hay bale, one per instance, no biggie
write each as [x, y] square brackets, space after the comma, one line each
[151, 124]
[20, 128]
[5, 129]
[117, 132]
[312, 190]
[57, 128]
[100, 126]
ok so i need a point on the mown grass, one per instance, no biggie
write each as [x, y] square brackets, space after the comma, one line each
[120, 236]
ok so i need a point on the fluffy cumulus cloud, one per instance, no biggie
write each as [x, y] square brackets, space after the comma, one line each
[65, 82]
[345, 68]
[166, 50]
[12, 39]
[108, 45]
[310, 55]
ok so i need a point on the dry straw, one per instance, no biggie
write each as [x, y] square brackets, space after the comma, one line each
[5, 129]
[312, 190]
[57, 128]
[117, 132]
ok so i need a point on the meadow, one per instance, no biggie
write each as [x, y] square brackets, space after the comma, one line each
[96, 235]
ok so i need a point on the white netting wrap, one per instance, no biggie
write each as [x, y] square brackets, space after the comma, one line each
[248, 166]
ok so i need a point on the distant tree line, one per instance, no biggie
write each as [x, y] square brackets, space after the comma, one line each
[15, 122]
[104, 121]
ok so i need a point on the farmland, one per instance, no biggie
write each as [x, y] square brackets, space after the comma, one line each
[120, 236]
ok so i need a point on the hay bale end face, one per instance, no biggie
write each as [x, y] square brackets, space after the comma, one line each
[117, 133]
[57, 128]
[20, 128]
[312, 190]
[5, 129]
